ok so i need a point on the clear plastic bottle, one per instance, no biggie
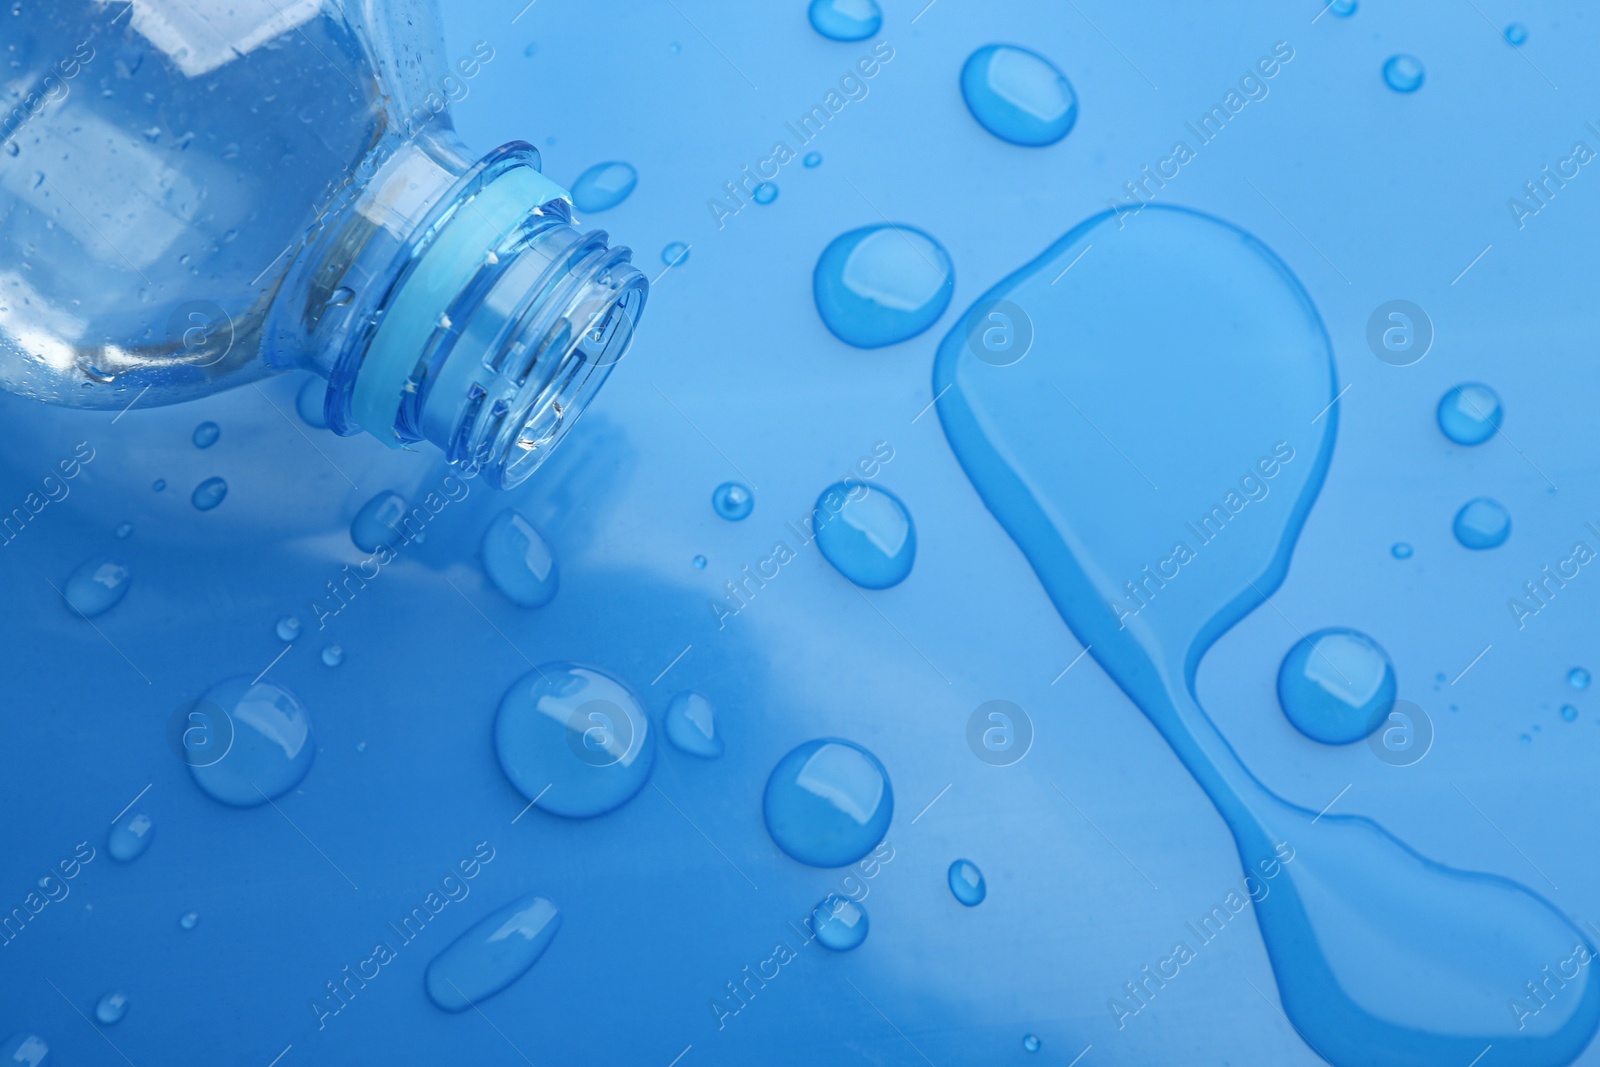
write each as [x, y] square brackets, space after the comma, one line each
[195, 194]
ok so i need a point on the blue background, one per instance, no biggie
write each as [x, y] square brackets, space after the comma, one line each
[734, 376]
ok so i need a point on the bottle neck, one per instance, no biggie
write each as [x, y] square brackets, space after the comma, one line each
[456, 303]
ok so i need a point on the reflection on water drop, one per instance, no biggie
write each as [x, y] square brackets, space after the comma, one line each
[209, 493]
[1018, 95]
[493, 953]
[967, 883]
[765, 193]
[812, 160]
[840, 924]
[374, 525]
[675, 254]
[869, 538]
[519, 561]
[112, 1007]
[187, 921]
[1578, 678]
[828, 802]
[691, 726]
[309, 400]
[604, 186]
[574, 739]
[880, 285]
[1482, 524]
[288, 628]
[733, 501]
[845, 20]
[206, 434]
[130, 835]
[1403, 74]
[97, 586]
[1336, 686]
[271, 746]
[332, 656]
[1401, 550]
[1470, 413]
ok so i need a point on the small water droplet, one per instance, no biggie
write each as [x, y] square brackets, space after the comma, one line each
[866, 533]
[1526, 739]
[374, 525]
[1018, 95]
[699, 563]
[12, 149]
[97, 586]
[1516, 33]
[733, 501]
[130, 835]
[341, 296]
[845, 20]
[1336, 686]
[1482, 524]
[604, 186]
[1031, 1042]
[159, 484]
[493, 953]
[1342, 8]
[812, 160]
[519, 561]
[1569, 713]
[1578, 678]
[967, 884]
[530, 49]
[674, 48]
[206, 434]
[765, 193]
[1403, 74]
[675, 254]
[124, 530]
[269, 746]
[691, 726]
[189, 919]
[840, 924]
[1470, 413]
[112, 1007]
[880, 285]
[1401, 550]
[332, 656]
[288, 628]
[209, 493]
[309, 400]
[828, 802]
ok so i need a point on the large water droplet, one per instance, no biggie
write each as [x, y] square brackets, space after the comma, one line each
[967, 884]
[840, 924]
[25, 1050]
[206, 434]
[112, 1007]
[374, 525]
[269, 743]
[1336, 686]
[828, 802]
[574, 739]
[309, 401]
[1018, 95]
[493, 953]
[604, 186]
[868, 537]
[209, 493]
[733, 501]
[691, 726]
[1482, 524]
[1403, 74]
[519, 561]
[880, 285]
[97, 586]
[1470, 413]
[130, 835]
[846, 20]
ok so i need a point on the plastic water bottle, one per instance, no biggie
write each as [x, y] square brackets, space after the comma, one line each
[195, 194]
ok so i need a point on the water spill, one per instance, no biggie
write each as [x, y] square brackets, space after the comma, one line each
[1336, 686]
[1403, 74]
[1470, 413]
[374, 525]
[309, 402]
[866, 533]
[733, 501]
[493, 953]
[846, 20]
[288, 628]
[675, 254]
[966, 883]
[1482, 524]
[130, 835]
[209, 493]
[604, 186]
[1018, 95]
[881, 285]
[206, 434]
[573, 739]
[1378, 952]
[268, 741]
[692, 727]
[97, 586]
[840, 924]
[519, 561]
[828, 802]
[112, 1007]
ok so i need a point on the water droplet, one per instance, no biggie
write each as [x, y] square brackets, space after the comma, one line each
[112, 1007]
[675, 254]
[846, 20]
[828, 802]
[309, 400]
[1578, 678]
[840, 924]
[130, 835]
[159, 484]
[340, 297]
[1526, 739]
[97, 586]
[765, 193]
[1403, 74]
[374, 525]
[1342, 8]
[691, 726]
[189, 919]
[269, 743]
[967, 883]
[869, 538]
[494, 952]
[1336, 686]
[880, 285]
[1569, 713]
[574, 739]
[124, 530]
[288, 628]
[1400, 550]
[209, 493]
[604, 186]
[24, 1050]
[1031, 1042]
[1482, 524]
[699, 563]
[332, 656]
[1018, 95]
[1516, 33]
[674, 48]
[12, 149]
[812, 160]
[1470, 413]
[519, 561]
[206, 434]
[530, 49]
[733, 501]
